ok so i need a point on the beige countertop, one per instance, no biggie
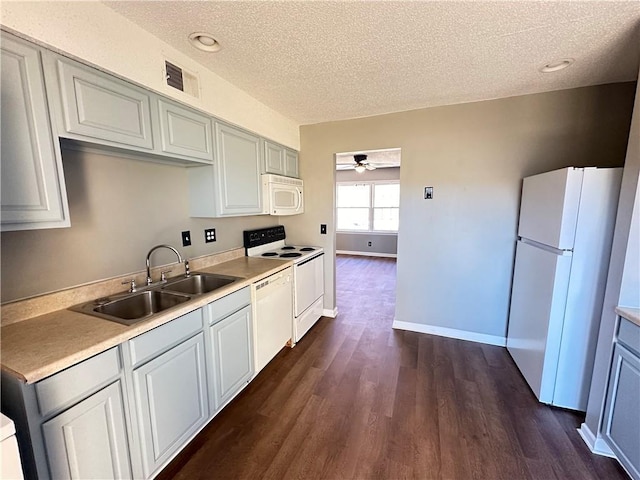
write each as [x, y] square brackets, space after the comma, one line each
[35, 348]
[631, 314]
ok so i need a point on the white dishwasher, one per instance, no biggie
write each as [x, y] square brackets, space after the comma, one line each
[272, 315]
[10, 466]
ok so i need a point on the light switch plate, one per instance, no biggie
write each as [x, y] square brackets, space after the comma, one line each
[186, 238]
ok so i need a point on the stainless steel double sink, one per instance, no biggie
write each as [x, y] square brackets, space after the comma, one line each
[133, 307]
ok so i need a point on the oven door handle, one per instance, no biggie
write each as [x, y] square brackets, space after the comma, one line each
[309, 259]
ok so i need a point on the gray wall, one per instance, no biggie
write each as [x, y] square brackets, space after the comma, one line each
[455, 252]
[623, 284]
[120, 208]
[383, 244]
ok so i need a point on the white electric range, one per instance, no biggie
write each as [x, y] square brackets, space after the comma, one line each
[308, 273]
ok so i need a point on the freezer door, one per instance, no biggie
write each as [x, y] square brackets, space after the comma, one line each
[549, 207]
[538, 301]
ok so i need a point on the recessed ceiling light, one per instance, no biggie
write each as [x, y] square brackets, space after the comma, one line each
[204, 41]
[557, 66]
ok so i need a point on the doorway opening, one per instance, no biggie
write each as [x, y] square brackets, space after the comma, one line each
[367, 213]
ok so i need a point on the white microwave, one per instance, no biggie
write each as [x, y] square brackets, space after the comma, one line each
[282, 195]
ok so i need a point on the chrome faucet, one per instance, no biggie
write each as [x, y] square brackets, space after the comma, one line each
[149, 281]
[187, 272]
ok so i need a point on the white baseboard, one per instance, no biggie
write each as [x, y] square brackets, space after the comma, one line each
[326, 312]
[451, 333]
[596, 444]
[367, 254]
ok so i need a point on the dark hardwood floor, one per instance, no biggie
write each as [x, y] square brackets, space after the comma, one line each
[356, 399]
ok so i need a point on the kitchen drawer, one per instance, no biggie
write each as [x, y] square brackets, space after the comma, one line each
[225, 306]
[629, 335]
[75, 383]
[149, 344]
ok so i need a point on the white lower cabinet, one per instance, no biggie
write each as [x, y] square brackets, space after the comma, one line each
[232, 348]
[126, 412]
[89, 440]
[621, 425]
[171, 401]
[73, 424]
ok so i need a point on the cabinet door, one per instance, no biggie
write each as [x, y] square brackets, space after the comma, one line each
[171, 401]
[100, 106]
[291, 164]
[185, 132]
[33, 190]
[89, 440]
[621, 427]
[232, 354]
[274, 161]
[239, 187]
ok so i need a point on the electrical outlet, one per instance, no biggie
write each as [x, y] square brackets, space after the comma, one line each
[186, 238]
[368, 244]
[323, 229]
[209, 235]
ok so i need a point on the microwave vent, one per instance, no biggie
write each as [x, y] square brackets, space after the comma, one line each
[270, 178]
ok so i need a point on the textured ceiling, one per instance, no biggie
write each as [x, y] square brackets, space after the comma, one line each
[316, 61]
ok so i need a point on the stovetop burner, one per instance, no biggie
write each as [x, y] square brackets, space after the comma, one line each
[288, 247]
[307, 249]
[269, 254]
[290, 255]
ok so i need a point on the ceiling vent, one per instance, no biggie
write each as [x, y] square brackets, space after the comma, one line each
[181, 79]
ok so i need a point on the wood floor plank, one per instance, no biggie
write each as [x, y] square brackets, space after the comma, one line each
[358, 400]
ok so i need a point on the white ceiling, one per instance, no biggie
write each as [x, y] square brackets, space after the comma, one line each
[387, 158]
[316, 61]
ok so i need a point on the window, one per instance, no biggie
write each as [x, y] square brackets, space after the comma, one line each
[368, 206]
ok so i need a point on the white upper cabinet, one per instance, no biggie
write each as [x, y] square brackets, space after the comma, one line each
[33, 188]
[279, 160]
[273, 158]
[184, 131]
[239, 171]
[291, 163]
[100, 110]
[46, 95]
[100, 106]
[232, 187]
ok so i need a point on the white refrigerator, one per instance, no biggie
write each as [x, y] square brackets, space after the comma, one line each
[562, 258]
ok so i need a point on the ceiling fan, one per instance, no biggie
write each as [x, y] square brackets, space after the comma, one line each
[362, 164]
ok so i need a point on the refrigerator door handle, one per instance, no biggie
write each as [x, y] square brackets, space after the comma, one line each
[548, 248]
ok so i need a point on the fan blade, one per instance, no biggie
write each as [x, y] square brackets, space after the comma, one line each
[370, 167]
